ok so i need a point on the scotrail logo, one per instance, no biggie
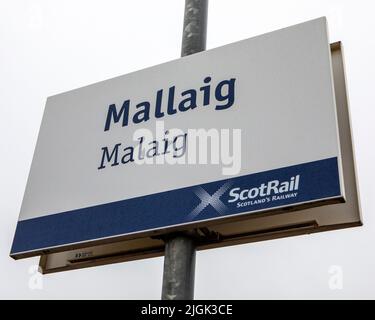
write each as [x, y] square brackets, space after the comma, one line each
[267, 192]
[265, 195]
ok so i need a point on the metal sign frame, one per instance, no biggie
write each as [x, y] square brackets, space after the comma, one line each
[71, 203]
[236, 230]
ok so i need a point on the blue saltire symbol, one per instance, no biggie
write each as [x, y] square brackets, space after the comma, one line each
[207, 199]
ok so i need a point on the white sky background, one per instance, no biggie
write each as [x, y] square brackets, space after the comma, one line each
[47, 47]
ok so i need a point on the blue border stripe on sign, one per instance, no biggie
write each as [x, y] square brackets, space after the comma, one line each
[291, 185]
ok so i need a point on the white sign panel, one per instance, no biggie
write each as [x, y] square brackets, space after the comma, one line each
[124, 156]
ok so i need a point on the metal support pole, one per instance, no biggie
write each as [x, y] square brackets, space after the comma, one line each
[195, 27]
[179, 268]
[179, 261]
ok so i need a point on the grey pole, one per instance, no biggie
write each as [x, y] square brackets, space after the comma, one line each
[195, 27]
[179, 268]
[179, 261]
